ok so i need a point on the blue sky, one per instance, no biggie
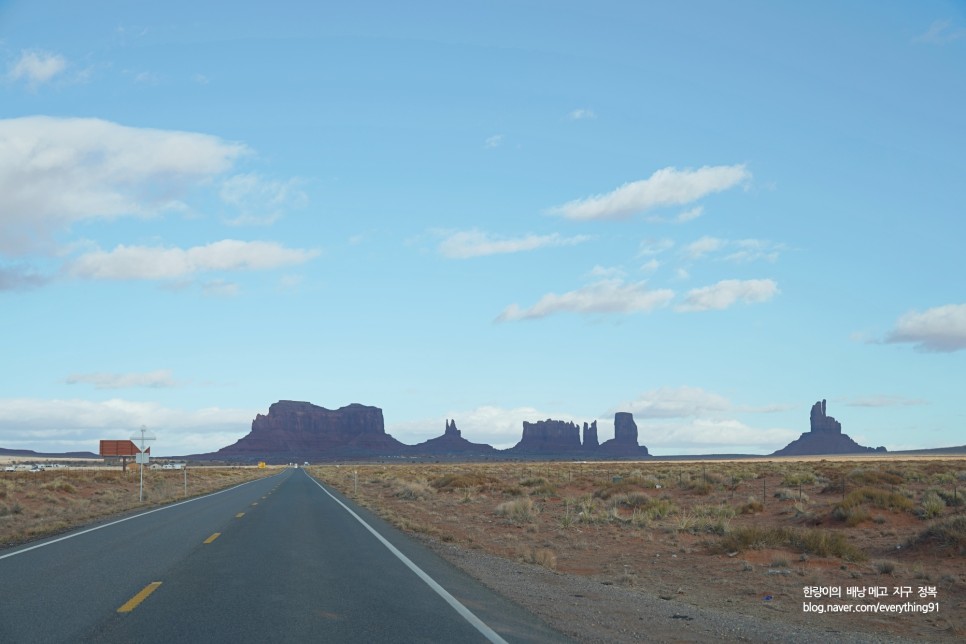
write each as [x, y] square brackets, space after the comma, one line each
[708, 214]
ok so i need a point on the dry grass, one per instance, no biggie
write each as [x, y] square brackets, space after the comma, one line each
[674, 528]
[36, 504]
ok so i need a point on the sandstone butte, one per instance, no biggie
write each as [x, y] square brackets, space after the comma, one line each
[297, 431]
[824, 437]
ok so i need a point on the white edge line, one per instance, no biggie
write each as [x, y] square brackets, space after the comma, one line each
[107, 525]
[477, 623]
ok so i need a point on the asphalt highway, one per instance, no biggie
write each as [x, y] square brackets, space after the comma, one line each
[281, 559]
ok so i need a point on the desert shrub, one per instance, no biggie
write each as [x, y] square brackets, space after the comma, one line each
[884, 567]
[784, 494]
[452, 482]
[520, 510]
[862, 476]
[413, 490]
[752, 506]
[950, 531]
[621, 486]
[801, 477]
[632, 500]
[932, 505]
[659, 508]
[533, 481]
[851, 515]
[59, 484]
[877, 497]
[822, 543]
[540, 556]
[952, 499]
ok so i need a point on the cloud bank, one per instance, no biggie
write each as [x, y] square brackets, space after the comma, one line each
[939, 329]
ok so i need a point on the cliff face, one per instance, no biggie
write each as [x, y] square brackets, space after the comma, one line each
[624, 442]
[301, 430]
[557, 437]
[548, 437]
[825, 437]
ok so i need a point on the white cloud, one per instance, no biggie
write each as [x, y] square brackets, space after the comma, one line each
[675, 402]
[494, 141]
[666, 187]
[940, 329]
[941, 32]
[650, 266]
[581, 114]
[476, 243]
[713, 435]
[606, 272]
[703, 246]
[158, 263]
[220, 288]
[883, 400]
[36, 67]
[682, 217]
[56, 171]
[78, 425]
[728, 292]
[261, 201]
[153, 379]
[649, 247]
[750, 250]
[605, 296]
[745, 250]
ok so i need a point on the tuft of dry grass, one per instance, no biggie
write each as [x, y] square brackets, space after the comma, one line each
[822, 543]
[521, 510]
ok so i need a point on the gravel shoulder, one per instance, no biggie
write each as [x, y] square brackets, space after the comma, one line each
[592, 611]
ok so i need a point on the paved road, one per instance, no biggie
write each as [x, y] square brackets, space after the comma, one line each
[277, 560]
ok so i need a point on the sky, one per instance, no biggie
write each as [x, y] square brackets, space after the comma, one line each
[708, 214]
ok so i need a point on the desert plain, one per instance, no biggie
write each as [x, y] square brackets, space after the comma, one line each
[751, 538]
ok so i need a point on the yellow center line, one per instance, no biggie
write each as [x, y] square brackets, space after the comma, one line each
[239, 515]
[212, 537]
[132, 603]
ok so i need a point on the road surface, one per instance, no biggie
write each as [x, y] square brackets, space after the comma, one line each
[280, 559]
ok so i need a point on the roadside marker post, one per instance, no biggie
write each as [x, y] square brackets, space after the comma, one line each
[142, 458]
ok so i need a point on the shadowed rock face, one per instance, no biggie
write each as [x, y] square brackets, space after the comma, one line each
[548, 437]
[822, 422]
[557, 437]
[451, 442]
[624, 442]
[825, 437]
[304, 430]
[590, 437]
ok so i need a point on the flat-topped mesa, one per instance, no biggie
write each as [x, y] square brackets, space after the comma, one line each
[822, 422]
[294, 429]
[548, 437]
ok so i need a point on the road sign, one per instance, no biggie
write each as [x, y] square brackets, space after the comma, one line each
[144, 457]
[118, 448]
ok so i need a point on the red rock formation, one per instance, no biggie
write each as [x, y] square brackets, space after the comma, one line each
[452, 442]
[624, 442]
[825, 437]
[590, 437]
[548, 437]
[301, 430]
